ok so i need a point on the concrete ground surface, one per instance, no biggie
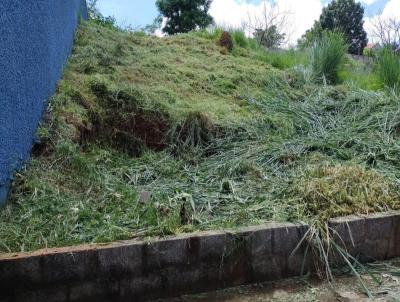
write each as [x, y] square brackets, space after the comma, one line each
[345, 289]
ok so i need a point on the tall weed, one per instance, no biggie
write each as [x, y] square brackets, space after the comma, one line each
[388, 68]
[327, 56]
[239, 38]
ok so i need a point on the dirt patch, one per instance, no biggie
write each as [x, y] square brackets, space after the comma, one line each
[132, 132]
[121, 121]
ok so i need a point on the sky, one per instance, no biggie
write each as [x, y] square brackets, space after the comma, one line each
[232, 13]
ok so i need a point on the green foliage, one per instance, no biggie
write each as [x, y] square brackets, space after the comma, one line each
[346, 16]
[211, 33]
[360, 73]
[389, 68]
[369, 52]
[184, 15]
[96, 17]
[282, 59]
[152, 28]
[327, 55]
[240, 138]
[270, 38]
[240, 39]
[311, 36]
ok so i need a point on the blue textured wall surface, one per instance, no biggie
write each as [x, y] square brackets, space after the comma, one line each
[36, 37]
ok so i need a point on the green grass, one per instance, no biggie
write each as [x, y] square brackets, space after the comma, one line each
[282, 59]
[360, 73]
[389, 69]
[148, 136]
[327, 56]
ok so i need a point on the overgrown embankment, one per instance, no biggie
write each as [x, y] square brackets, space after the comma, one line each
[149, 136]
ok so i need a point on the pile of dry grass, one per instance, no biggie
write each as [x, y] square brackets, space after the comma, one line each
[338, 190]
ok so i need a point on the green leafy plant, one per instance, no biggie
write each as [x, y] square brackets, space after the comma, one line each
[389, 68]
[98, 18]
[345, 16]
[184, 15]
[327, 55]
[239, 38]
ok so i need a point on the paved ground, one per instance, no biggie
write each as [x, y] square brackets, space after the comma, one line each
[344, 289]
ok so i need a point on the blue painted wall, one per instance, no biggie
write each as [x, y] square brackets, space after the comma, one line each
[36, 37]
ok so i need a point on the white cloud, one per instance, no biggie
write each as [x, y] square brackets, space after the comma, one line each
[235, 13]
[391, 10]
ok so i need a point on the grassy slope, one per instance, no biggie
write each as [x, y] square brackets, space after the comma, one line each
[239, 143]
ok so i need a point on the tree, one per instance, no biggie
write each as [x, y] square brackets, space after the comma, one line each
[270, 25]
[270, 37]
[184, 15]
[386, 31]
[347, 17]
[97, 17]
[152, 28]
[311, 36]
[93, 11]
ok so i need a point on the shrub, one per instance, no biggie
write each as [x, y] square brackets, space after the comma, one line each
[389, 68]
[369, 52]
[327, 55]
[226, 40]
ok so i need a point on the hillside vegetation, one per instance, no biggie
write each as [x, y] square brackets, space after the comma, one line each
[154, 136]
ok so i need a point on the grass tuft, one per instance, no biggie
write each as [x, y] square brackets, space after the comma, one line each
[327, 55]
[389, 68]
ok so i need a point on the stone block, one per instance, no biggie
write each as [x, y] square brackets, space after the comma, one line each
[119, 261]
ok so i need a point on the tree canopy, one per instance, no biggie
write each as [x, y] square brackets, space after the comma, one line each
[345, 16]
[184, 15]
[270, 37]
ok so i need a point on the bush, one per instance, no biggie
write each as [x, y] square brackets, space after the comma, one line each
[327, 55]
[369, 52]
[226, 40]
[389, 68]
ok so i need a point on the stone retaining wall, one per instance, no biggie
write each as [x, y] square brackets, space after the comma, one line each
[138, 271]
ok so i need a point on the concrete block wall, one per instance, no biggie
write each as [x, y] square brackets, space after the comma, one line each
[36, 37]
[193, 263]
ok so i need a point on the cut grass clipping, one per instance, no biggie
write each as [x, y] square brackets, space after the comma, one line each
[144, 139]
[339, 190]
